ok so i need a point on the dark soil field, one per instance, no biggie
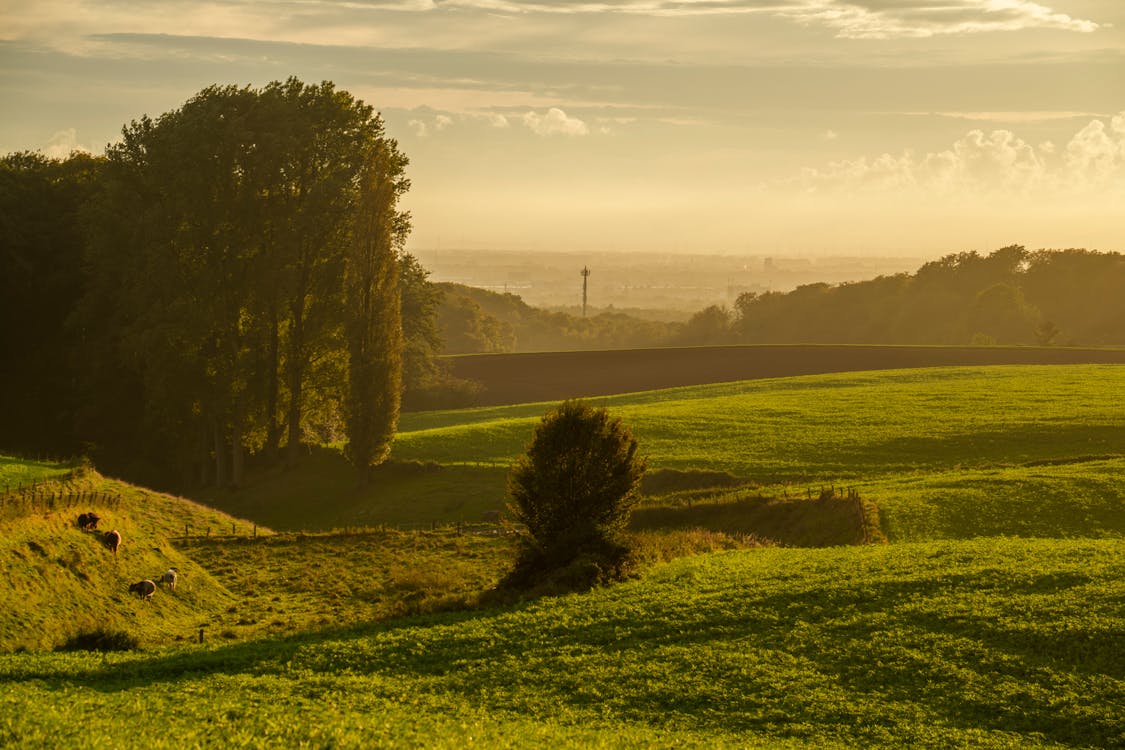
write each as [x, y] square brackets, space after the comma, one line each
[550, 376]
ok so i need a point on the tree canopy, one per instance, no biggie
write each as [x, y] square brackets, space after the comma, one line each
[212, 267]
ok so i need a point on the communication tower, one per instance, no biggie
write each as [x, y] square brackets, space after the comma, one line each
[585, 275]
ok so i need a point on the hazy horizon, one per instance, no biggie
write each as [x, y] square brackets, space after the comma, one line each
[747, 127]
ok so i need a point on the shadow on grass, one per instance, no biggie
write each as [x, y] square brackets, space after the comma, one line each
[827, 522]
[321, 493]
[871, 643]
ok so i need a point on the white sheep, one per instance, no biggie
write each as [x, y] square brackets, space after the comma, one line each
[169, 578]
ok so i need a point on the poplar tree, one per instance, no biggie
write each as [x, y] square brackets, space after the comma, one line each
[373, 309]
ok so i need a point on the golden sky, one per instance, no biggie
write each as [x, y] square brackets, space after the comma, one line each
[897, 127]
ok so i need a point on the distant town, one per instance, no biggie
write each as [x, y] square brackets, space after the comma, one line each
[653, 282]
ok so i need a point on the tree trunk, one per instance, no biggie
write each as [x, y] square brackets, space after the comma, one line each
[295, 371]
[237, 464]
[220, 454]
[273, 353]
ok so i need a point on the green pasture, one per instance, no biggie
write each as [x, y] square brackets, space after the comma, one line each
[21, 472]
[1085, 498]
[825, 427]
[60, 580]
[893, 432]
[980, 643]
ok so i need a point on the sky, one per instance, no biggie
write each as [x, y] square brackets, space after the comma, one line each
[776, 127]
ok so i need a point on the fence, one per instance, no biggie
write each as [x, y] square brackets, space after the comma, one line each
[49, 495]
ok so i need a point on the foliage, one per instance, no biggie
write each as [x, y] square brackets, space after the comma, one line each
[101, 639]
[40, 280]
[373, 326]
[573, 491]
[478, 320]
[1010, 296]
[214, 312]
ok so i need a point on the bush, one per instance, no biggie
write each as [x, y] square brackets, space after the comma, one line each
[573, 491]
[101, 639]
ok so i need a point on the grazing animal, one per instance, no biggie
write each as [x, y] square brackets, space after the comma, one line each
[169, 578]
[112, 540]
[88, 521]
[144, 589]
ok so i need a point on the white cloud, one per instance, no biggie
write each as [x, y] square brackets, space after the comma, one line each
[62, 144]
[855, 19]
[1096, 154]
[995, 162]
[424, 129]
[555, 122]
[497, 120]
[829, 135]
[77, 25]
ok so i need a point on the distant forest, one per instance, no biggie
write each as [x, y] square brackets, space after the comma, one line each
[1010, 297]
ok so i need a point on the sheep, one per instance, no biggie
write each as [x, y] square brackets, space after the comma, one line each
[112, 540]
[144, 589]
[169, 578]
[88, 521]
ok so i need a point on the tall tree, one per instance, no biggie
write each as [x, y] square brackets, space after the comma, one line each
[220, 248]
[374, 324]
[41, 281]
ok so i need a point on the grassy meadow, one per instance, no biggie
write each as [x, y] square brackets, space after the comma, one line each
[901, 435]
[979, 643]
[992, 617]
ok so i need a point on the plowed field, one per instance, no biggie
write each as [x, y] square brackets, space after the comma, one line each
[549, 376]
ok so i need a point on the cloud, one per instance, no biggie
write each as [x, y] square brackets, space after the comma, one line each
[423, 129]
[854, 19]
[63, 143]
[555, 122]
[1096, 154]
[995, 162]
[497, 120]
[456, 24]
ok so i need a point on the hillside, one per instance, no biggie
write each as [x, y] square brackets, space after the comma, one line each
[991, 619]
[948, 427]
[61, 580]
[992, 643]
[237, 580]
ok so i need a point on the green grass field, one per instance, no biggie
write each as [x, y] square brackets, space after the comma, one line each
[893, 433]
[993, 617]
[20, 472]
[987, 643]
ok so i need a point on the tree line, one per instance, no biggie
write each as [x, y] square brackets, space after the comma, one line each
[228, 280]
[1009, 297]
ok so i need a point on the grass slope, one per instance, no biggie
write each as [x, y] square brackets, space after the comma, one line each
[904, 435]
[987, 643]
[19, 472]
[236, 581]
[61, 580]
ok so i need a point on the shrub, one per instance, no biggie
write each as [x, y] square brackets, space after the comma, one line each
[101, 639]
[573, 491]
